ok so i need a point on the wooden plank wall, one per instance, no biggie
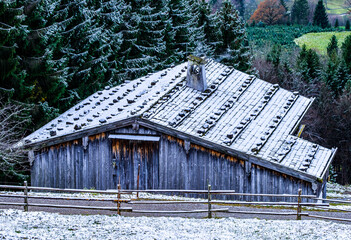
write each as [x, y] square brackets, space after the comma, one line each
[164, 165]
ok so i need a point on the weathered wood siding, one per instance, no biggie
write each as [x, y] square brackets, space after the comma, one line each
[165, 165]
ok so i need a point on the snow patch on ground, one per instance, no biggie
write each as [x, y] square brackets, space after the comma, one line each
[335, 190]
[16, 224]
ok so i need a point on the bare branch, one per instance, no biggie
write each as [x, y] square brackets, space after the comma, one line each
[13, 120]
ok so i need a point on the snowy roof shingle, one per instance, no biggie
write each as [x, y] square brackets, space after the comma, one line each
[238, 113]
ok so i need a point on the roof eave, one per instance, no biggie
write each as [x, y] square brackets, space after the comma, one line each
[82, 133]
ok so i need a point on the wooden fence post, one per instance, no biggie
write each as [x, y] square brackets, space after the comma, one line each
[209, 202]
[119, 199]
[138, 180]
[298, 217]
[25, 196]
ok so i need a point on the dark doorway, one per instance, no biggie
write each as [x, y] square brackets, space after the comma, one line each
[127, 155]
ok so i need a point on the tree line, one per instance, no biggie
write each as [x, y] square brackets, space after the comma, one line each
[270, 12]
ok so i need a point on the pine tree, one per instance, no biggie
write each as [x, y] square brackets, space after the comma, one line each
[336, 76]
[209, 25]
[181, 16]
[45, 81]
[336, 24]
[308, 64]
[86, 45]
[198, 31]
[299, 12]
[112, 18]
[332, 48]
[234, 50]
[347, 25]
[274, 55]
[330, 76]
[149, 45]
[346, 52]
[320, 17]
[12, 31]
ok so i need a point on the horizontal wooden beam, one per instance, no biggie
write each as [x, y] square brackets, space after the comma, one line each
[125, 209]
[168, 202]
[267, 213]
[135, 137]
[12, 204]
[178, 191]
[181, 211]
[269, 203]
[333, 200]
[115, 192]
[329, 218]
[12, 187]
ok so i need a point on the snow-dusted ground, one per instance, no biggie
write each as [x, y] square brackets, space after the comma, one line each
[335, 190]
[16, 224]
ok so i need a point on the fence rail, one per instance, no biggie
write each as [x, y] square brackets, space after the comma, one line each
[139, 201]
[26, 197]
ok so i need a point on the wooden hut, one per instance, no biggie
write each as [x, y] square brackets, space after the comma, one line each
[196, 123]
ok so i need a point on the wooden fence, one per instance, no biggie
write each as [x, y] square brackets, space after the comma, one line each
[320, 202]
[118, 200]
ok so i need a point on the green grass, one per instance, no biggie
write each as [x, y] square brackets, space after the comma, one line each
[335, 6]
[320, 41]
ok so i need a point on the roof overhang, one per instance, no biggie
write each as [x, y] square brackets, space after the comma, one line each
[181, 135]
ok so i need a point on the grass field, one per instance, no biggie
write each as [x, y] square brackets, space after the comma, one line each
[335, 6]
[319, 41]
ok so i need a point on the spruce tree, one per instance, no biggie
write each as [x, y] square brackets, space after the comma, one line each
[112, 17]
[347, 25]
[331, 77]
[45, 79]
[149, 45]
[308, 64]
[209, 25]
[234, 50]
[346, 52]
[12, 31]
[336, 76]
[299, 12]
[336, 24]
[320, 17]
[332, 48]
[87, 46]
[198, 31]
[181, 20]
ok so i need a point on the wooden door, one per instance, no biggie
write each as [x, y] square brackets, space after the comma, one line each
[127, 155]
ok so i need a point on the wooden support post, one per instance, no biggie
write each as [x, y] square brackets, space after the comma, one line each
[119, 199]
[298, 217]
[209, 202]
[25, 196]
[138, 180]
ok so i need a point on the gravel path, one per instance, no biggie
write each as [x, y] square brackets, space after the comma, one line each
[165, 207]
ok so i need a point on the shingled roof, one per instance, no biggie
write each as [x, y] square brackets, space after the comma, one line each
[237, 113]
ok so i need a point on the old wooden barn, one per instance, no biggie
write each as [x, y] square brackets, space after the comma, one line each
[196, 123]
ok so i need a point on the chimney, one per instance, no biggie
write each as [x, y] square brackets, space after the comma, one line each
[196, 77]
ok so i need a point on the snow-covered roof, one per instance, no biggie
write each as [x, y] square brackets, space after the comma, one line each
[237, 113]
